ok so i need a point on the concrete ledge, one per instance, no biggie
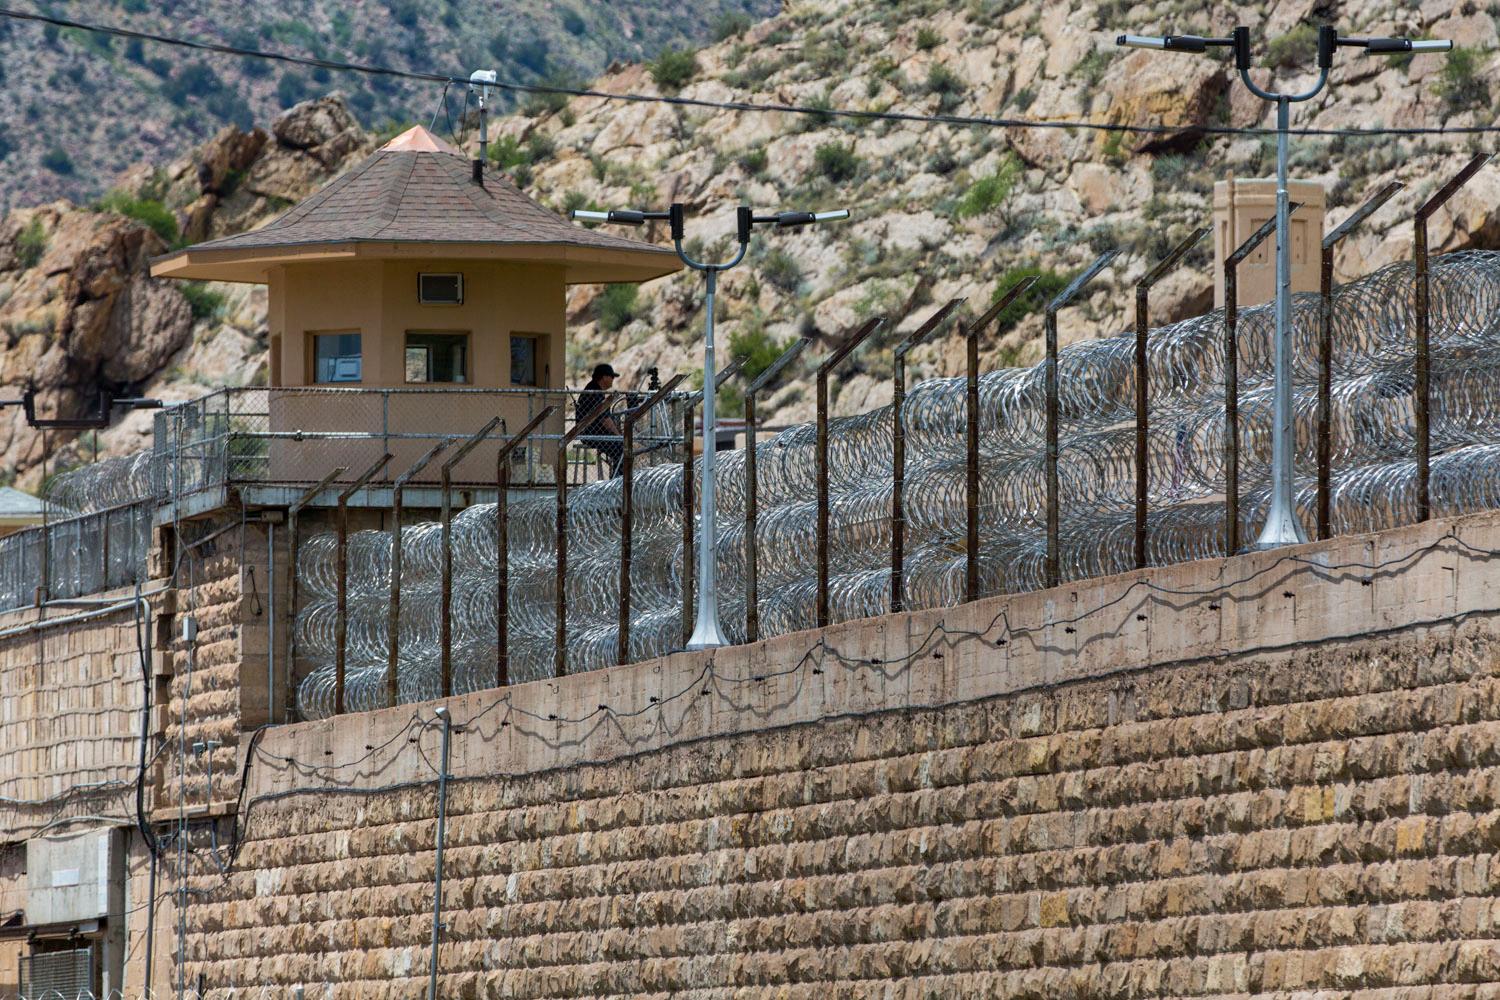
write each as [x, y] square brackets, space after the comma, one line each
[1432, 575]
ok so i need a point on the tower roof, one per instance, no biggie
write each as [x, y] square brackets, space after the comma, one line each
[416, 197]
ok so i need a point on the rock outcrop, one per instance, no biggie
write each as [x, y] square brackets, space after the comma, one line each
[79, 313]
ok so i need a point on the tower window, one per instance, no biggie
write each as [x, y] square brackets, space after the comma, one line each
[337, 358]
[437, 357]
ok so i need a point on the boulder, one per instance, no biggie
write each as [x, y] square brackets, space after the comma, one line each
[323, 128]
[223, 160]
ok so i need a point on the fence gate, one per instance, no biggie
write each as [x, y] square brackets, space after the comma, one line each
[66, 972]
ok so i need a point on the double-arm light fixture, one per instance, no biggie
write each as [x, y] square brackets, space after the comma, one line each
[1282, 527]
[707, 632]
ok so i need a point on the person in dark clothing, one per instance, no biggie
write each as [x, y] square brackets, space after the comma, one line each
[593, 406]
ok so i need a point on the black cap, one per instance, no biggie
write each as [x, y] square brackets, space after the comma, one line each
[600, 371]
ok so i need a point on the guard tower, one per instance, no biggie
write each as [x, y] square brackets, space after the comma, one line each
[418, 283]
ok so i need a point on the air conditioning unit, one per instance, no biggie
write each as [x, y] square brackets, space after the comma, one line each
[440, 289]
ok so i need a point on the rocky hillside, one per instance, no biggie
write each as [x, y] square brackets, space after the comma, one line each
[939, 212]
[59, 139]
[78, 310]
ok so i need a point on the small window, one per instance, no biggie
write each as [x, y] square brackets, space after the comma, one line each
[336, 357]
[523, 366]
[437, 357]
[440, 289]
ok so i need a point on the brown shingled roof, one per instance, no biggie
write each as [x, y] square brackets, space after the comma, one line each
[417, 189]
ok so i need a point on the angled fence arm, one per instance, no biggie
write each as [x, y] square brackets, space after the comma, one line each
[294, 552]
[446, 611]
[1050, 373]
[752, 486]
[829, 364]
[1325, 354]
[1423, 387]
[393, 615]
[1142, 375]
[898, 450]
[341, 606]
[502, 544]
[627, 512]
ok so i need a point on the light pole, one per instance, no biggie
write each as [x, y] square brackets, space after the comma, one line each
[707, 632]
[1282, 527]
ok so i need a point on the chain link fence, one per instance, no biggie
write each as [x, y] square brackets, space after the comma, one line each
[300, 434]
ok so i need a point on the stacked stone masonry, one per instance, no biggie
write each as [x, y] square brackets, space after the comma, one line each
[70, 715]
[222, 588]
[1323, 821]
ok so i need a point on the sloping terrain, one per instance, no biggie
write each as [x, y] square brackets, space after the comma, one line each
[939, 211]
[61, 138]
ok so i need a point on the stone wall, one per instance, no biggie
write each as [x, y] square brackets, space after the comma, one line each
[218, 681]
[1267, 775]
[70, 712]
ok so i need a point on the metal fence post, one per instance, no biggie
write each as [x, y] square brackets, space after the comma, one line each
[393, 619]
[341, 606]
[1050, 372]
[831, 362]
[294, 551]
[1423, 388]
[898, 449]
[1232, 379]
[560, 470]
[446, 612]
[627, 512]
[687, 522]
[502, 543]
[971, 434]
[1325, 355]
[1142, 376]
[752, 488]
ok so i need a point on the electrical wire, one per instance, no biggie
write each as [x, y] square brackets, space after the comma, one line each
[739, 106]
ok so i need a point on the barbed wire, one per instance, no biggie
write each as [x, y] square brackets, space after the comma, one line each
[1374, 488]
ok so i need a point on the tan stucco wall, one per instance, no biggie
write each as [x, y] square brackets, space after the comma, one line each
[1234, 777]
[379, 300]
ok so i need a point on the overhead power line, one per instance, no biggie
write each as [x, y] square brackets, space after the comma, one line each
[738, 106]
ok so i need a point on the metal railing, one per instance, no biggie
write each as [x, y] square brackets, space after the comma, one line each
[298, 434]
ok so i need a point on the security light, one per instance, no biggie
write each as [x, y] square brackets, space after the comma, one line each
[1282, 527]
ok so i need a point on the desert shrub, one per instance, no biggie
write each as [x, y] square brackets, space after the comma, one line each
[1460, 84]
[836, 162]
[1047, 285]
[573, 22]
[988, 193]
[757, 347]
[1090, 69]
[147, 210]
[946, 84]
[616, 306]
[1297, 47]
[291, 89]
[205, 302]
[730, 24]
[673, 68]
[58, 161]
[781, 270]
[754, 161]
[927, 38]
[31, 244]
